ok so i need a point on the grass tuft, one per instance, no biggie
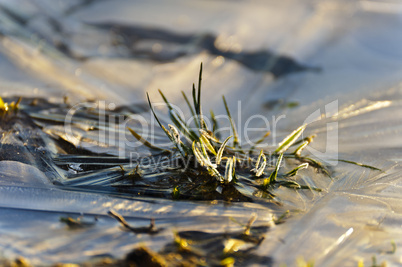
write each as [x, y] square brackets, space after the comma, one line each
[219, 168]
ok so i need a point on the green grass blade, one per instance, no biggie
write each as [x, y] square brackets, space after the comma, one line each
[215, 125]
[235, 135]
[191, 109]
[295, 170]
[195, 99]
[165, 99]
[183, 127]
[274, 174]
[289, 184]
[315, 163]
[207, 144]
[360, 164]
[156, 117]
[300, 148]
[143, 141]
[221, 149]
[290, 139]
[208, 135]
[199, 91]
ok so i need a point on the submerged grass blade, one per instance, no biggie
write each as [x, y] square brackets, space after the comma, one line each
[143, 141]
[316, 164]
[360, 164]
[235, 135]
[290, 139]
[298, 168]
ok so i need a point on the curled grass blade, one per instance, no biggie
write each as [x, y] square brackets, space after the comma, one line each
[260, 169]
[295, 170]
[303, 143]
[221, 149]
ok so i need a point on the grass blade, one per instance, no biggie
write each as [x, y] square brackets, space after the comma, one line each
[290, 139]
[235, 135]
[229, 170]
[221, 149]
[191, 109]
[165, 100]
[199, 91]
[156, 117]
[261, 169]
[360, 164]
[183, 127]
[197, 154]
[274, 174]
[295, 170]
[208, 135]
[143, 141]
[207, 144]
[215, 125]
